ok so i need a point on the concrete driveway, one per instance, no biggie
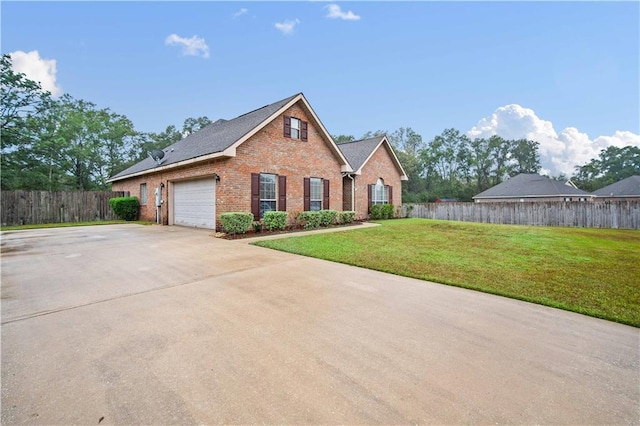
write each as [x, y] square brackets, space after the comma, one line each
[130, 324]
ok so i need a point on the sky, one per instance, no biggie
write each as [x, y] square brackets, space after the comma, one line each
[563, 73]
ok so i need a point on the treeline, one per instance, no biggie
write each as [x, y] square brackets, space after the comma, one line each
[71, 144]
[451, 165]
[67, 143]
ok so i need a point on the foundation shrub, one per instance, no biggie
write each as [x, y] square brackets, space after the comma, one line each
[346, 217]
[275, 220]
[327, 217]
[236, 222]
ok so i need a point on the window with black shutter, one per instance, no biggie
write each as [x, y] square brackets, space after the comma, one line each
[295, 128]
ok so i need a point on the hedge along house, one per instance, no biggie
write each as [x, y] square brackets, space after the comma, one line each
[278, 157]
[376, 177]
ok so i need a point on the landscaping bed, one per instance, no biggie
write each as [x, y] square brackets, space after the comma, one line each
[289, 230]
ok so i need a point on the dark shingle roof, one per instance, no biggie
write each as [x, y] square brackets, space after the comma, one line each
[531, 185]
[626, 187]
[357, 152]
[209, 140]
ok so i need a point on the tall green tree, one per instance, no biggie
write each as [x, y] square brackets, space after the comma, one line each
[612, 165]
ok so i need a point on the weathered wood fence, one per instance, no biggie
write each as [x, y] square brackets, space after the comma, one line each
[35, 207]
[618, 214]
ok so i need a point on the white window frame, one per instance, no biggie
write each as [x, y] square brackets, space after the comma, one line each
[316, 197]
[143, 193]
[380, 193]
[264, 197]
[295, 128]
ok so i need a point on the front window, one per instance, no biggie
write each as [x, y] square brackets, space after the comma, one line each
[380, 193]
[295, 128]
[267, 193]
[316, 194]
[143, 193]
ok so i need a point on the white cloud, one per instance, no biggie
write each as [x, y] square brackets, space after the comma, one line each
[36, 69]
[286, 27]
[336, 13]
[194, 46]
[559, 152]
[240, 12]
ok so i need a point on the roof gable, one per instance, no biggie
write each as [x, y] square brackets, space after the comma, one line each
[626, 187]
[359, 152]
[531, 185]
[221, 139]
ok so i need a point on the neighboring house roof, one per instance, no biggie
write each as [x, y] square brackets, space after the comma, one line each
[527, 185]
[220, 139]
[359, 152]
[629, 187]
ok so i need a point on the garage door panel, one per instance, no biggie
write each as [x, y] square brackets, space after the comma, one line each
[194, 203]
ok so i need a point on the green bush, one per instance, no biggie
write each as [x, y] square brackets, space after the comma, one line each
[388, 211]
[257, 226]
[327, 217]
[381, 211]
[310, 220]
[346, 217]
[275, 220]
[236, 222]
[125, 208]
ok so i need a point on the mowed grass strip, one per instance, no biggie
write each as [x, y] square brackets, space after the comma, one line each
[590, 271]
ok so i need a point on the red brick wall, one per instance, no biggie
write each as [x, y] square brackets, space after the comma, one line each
[380, 165]
[268, 151]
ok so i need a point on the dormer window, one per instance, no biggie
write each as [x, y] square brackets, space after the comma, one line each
[295, 128]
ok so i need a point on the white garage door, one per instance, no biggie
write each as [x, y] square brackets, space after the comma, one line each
[194, 203]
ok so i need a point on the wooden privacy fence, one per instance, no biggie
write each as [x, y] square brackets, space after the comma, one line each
[35, 207]
[616, 214]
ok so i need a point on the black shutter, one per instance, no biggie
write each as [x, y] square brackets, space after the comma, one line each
[307, 194]
[325, 194]
[303, 130]
[390, 193]
[370, 202]
[287, 126]
[255, 195]
[282, 193]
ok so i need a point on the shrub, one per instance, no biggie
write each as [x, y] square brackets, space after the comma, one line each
[310, 220]
[125, 208]
[327, 217]
[388, 211]
[275, 220]
[236, 222]
[257, 226]
[346, 217]
[381, 211]
[375, 212]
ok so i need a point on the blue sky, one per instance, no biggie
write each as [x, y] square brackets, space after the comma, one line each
[550, 66]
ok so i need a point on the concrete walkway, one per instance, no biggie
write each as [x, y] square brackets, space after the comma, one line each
[128, 324]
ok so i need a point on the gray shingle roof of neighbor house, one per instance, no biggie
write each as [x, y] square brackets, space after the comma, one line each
[358, 153]
[220, 138]
[527, 185]
[626, 187]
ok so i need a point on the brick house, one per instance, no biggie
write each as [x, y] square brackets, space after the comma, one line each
[376, 173]
[278, 157]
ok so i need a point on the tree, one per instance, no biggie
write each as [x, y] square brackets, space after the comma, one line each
[21, 100]
[612, 165]
[343, 138]
[192, 125]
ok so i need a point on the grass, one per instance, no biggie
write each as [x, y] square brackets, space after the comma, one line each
[70, 224]
[590, 271]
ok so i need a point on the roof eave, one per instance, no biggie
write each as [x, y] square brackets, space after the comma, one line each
[227, 153]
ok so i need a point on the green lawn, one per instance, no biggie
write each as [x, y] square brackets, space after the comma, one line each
[591, 271]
